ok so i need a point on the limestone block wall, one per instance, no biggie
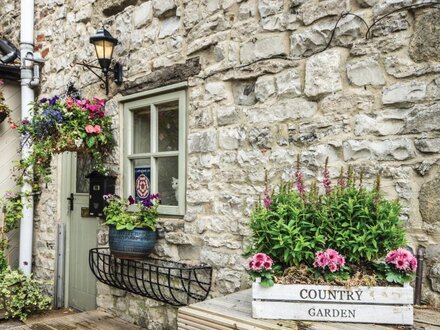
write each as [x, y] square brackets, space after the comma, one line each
[268, 89]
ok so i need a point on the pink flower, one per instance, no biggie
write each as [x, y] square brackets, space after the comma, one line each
[413, 264]
[391, 256]
[13, 126]
[332, 254]
[90, 129]
[329, 258]
[257, 265]
[341, 261]
[267, 264]
[98, 129]
[251, 264]
[260, 257]
[321, 261]
[333, 267]
[401, 263]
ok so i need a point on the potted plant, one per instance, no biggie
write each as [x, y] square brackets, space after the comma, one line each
[334, 255]
[132, 225]
[57, 125]
[20, 295]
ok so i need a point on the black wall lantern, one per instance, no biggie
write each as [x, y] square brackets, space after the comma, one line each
[104, 44]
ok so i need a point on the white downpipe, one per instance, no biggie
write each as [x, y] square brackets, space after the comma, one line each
[27, 96]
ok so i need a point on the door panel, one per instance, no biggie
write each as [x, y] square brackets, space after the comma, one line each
[82, 237]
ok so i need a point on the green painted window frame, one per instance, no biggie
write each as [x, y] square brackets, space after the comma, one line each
[129, 155]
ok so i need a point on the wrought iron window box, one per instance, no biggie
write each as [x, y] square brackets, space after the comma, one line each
[174, 283]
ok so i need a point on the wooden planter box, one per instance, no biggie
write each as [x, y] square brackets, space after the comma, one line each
[387, 305]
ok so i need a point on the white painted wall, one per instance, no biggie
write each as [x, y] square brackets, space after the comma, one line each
[9, 144]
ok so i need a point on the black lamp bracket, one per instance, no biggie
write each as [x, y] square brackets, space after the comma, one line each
[117, 71]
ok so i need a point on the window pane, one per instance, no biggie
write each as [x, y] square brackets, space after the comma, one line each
[84, 166]
[168, 116]
[168, 180]
[142, 178]
[141, 122]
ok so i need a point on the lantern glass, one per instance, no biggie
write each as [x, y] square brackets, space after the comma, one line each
[104, 49]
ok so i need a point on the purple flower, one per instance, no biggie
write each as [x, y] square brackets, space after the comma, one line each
[267, 200]
[131, 200]
[43, 100]
[148, 201]
[326, 182]
[53, 100]
[300, 183]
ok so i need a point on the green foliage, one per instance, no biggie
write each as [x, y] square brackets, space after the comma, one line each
[21, 295]
[128, 216]
[12, 210]
[393, 275]
[343, 274]
[59, 125]
[357, 222]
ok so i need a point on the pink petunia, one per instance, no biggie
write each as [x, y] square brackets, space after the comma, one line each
[90, 129]
[98, 129]
[251, 264]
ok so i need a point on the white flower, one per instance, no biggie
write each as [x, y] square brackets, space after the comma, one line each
[79, 142]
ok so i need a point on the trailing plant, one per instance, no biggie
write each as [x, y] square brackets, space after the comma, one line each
[21, 295]
[129, 214]
[260, 266]
[56, 126]
[292, 223]
[12, 213]
[12, 210]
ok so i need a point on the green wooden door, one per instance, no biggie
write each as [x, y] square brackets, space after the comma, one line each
[82, 237]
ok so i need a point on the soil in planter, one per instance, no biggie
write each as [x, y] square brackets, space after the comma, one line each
[363, 276]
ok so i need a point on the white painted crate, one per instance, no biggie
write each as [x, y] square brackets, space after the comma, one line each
[386, 305]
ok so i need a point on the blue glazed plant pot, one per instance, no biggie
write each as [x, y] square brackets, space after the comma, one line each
[131, 244]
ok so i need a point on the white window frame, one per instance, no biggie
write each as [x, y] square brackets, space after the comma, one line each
[154, 154]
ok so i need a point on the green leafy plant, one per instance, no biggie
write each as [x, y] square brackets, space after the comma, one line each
[21, 295]
[12, 213]
[128, 215]
[59, 125]
[292, 223]
[12, 210]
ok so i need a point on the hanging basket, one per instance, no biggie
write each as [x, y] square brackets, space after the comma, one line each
[71, 147]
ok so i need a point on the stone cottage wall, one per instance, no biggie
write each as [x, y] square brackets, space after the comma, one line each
[266, 92]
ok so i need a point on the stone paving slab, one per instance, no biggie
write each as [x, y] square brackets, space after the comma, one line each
[93, 320]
